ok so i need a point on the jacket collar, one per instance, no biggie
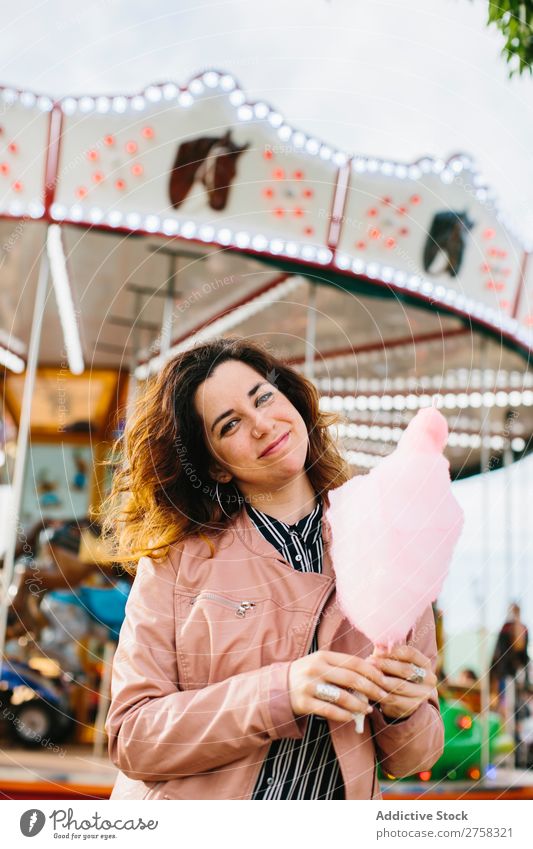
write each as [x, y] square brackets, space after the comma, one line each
[255, 542]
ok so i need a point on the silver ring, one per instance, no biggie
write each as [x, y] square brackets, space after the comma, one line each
[327, 692]
[418, 674]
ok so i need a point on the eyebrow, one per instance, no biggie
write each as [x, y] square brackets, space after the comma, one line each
[219, 418]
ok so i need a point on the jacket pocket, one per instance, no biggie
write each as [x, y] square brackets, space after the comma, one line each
[216, 635]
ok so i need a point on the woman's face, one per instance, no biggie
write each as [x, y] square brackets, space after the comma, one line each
[254, 434]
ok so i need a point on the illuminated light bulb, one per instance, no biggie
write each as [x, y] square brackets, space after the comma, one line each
[211, 79]
[103, 105]
[242, 239]
[359, 165]
[292, 249]
[114, 217]
[153, 93]
[312, 146]
[4, 168]
[196, 86]
[206, 233]
[426, 165]
[278, 174]
[16, 208]
[299, 139]
[387, 168]
[131, 147]
[340, 158]
[342, 261]
[17, 186]
[227, 83]
[245, 113]
[185, 99]
[138, 103]
[151, 223]
[69, 106]
[414, 172]
[261, 110]
[279, 212]
[96, 215]
[109, 140]
[120, 185]
[81, 192]
[387, 273]
[35, 209]
[58, 211]
[137, 169]
[27, 98]
[188, 229]
[400, 278]
[276, 246]
[147, 132]
[284, 132]
[9, 95]
[401, 171]
[372, 270]
[324, 256]
[325, 152]
[119, 104]
[97, 177]
[358, 266]
[259, 242]
[170, 226]
[170, 91]
[86, 104]
[308, 252]
[372, 165]
[133, 220]
[45, 104]
[237, 97]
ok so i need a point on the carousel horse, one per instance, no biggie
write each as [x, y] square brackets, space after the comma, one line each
[210, 160]
[58, 567]
[446, 240]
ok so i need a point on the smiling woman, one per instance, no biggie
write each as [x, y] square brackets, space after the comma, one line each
[236, 675]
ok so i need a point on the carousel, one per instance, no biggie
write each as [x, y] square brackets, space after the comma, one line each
[132, 227]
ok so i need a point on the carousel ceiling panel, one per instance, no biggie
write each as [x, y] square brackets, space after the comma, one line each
[201, 163]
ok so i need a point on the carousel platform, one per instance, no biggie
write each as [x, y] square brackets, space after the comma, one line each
[505, 783]
[78, 774]
[42, 774]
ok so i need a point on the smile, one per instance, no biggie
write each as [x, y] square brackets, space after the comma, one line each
[275, 445]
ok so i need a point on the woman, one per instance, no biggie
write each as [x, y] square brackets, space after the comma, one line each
[236, 674]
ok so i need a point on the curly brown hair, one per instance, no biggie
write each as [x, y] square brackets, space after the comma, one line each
[162, 491]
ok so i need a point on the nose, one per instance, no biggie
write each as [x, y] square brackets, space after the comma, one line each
[261, 424]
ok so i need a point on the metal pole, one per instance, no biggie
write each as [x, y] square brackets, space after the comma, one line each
[310, 333]
[508, 490]
[168, 312]
[22, 446]
[135, 342]
[484, 678]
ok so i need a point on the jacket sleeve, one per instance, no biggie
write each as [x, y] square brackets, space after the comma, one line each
[414, 744]
[157, 731]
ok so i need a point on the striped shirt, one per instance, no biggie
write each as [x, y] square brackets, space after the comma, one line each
[307, 768]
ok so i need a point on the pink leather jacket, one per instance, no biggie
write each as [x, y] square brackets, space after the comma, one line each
[200, 675]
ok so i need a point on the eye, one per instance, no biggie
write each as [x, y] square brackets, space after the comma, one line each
[261, 397]
[227, 427]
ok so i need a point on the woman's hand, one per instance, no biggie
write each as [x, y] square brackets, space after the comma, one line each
[404, 696]
[347, 672]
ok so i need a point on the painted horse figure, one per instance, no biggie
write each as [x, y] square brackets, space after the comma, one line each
[211, 160]
[446, 242]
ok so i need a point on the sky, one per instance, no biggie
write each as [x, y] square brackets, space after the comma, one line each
[395, 80]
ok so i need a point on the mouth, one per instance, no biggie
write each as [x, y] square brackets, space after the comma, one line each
[275, 445]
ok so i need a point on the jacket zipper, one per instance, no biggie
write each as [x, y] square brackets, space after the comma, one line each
[240, 607]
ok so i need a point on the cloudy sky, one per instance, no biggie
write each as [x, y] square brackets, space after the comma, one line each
[392, 79]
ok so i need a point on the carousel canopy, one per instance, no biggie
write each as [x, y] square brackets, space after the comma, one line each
[185, 212]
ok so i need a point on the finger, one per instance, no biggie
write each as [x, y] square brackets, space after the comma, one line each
[352, 702]
[353, 681]
[406, 653]
[407, 688]
[335, 712]
[353, 663]
[400, 669]
[398, 707]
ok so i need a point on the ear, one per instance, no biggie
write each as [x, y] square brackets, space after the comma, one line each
[219, 474]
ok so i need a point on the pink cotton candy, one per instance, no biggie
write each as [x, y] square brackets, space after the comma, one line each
[394, 531]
